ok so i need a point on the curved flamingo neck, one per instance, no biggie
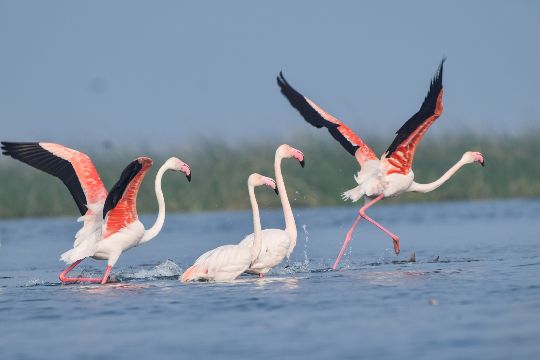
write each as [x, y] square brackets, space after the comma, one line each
[156, 228]
[424, 188]
[290, 224]
[257, 231]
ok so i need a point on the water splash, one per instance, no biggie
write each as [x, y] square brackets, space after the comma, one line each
[387, 256]
[34, 282]
[306, 243]
[293, 267]
[168, 268]
[298, 196]
[346, 260]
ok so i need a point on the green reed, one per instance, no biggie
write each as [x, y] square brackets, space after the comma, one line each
[220, 172]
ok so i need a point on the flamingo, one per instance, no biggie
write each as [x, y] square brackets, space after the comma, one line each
[111, 224]
[227, 262]
[276, 243]
[391, 175]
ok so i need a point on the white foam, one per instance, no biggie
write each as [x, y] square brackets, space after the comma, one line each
[34, 282]
[164, 269]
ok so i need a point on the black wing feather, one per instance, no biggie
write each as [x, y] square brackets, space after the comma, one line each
[34, 155]
[298, 101]
[118, 189]
[426, 110]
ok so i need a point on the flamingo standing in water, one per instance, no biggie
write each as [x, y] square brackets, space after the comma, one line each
[227, 262]
[392, 174]
[111, 224]
[276, 243]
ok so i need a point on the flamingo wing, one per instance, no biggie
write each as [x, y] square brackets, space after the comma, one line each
[74, 168]
[400, 153]
[318, 117]
[120, 207]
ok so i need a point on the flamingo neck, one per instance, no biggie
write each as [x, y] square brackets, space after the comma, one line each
[257, 231]
[290, 224]
[424, 188]
[156, 228]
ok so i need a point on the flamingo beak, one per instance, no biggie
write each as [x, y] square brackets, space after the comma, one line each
[300, 157]
[187, 171]
[271, 183]
[480, 159]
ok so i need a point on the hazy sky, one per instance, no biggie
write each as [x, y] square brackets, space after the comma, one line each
[162, 72]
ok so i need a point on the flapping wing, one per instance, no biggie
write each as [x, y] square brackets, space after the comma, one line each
[74, 168]
[400, 153]
[317, 117]
[120, 207]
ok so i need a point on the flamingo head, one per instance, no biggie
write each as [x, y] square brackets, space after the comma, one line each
[473, 156]
[287, 151]
[259, 180]
[176, 164]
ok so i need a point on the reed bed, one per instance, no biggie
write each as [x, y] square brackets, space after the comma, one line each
[220, 171]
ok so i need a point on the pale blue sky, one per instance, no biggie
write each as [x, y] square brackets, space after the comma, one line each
[162, 72]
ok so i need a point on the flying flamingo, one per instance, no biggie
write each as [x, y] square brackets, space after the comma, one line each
[111, 224]
[227, 262]
[276, 243]
[392, 174]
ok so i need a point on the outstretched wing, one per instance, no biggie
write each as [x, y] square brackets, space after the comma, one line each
[400, 154]
[317, 117]
[120, 207]
[74, 168]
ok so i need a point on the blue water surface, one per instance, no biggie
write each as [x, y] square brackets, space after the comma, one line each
[473, 291]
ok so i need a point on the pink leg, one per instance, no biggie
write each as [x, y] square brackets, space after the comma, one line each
[64, 279]
[346, 242]
[63, 274]
[261, 275]
[362, 214]
[106, 275]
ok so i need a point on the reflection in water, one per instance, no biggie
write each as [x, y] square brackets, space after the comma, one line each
[401, 277]
[289, 283]
[111, 288]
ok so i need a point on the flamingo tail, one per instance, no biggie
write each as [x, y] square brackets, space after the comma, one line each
[194, 272]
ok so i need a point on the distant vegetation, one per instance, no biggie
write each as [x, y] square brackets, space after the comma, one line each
[220, 171]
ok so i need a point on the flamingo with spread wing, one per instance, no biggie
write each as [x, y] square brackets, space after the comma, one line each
[392, 174]
[111, 224]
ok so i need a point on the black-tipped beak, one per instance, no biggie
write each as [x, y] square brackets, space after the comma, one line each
[276, 191]
[483, 163]
[303, 163]
[188, 177]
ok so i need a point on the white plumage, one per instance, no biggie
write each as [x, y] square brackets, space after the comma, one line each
[227, 262]
[277, 244]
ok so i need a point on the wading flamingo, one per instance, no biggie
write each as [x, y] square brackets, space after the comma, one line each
[392, 174]
[227, 262]
[111, 224]
[276, 243]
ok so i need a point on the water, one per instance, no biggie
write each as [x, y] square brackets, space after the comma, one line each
[473, 292]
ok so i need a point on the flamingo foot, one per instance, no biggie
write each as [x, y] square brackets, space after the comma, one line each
[64, 279]
[396, 244]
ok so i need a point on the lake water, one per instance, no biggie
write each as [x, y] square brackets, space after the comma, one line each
[473, 292]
